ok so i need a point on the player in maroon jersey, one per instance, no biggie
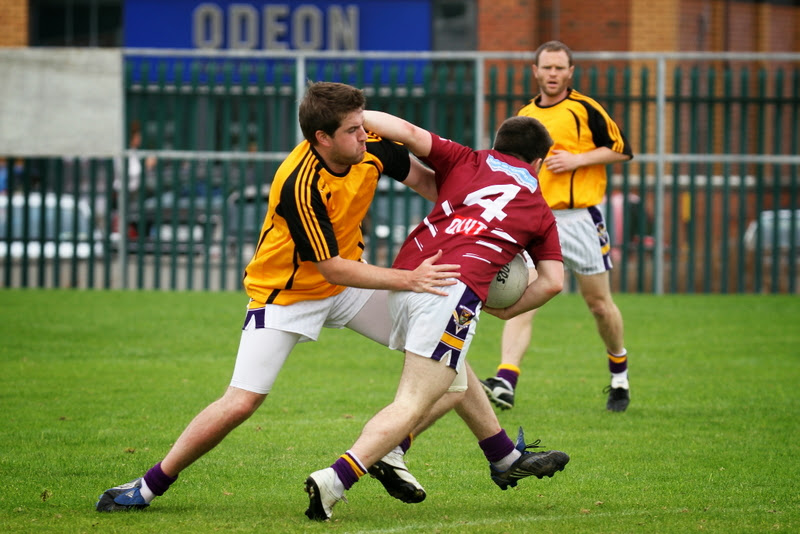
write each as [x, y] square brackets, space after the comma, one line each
[488, 209]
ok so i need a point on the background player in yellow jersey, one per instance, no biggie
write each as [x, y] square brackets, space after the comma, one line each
[573, 181]
[307, 274]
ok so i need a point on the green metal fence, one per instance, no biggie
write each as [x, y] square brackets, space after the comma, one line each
[709, 203]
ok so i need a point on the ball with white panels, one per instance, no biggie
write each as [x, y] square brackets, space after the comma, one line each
[508, 284]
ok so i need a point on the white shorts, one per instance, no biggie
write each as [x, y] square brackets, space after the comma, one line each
[440, 328]
[585, 245]
[270, 333]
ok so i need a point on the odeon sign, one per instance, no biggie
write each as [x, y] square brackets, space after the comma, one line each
[276, 27]
[303, 26]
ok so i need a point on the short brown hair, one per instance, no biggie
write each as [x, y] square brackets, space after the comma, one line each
[523, 137]
[325, 105]
[553, 46]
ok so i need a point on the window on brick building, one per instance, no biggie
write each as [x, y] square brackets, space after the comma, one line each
[76, 23]
[455, 25]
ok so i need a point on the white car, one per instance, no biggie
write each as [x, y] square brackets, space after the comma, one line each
[58, 227]
[784, 222]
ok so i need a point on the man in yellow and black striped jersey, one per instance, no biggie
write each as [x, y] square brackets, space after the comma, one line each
[573, 181]
[307, 274]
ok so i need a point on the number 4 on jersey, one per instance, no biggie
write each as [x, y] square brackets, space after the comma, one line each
[493, 199]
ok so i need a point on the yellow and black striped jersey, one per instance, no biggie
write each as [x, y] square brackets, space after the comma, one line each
[577, 124]
[315, 214]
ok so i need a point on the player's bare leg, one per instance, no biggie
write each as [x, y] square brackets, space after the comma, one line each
[205, 431]
[422, 382]
[514, 342]
[596, 292]
[210, 427]
[472, 406]
[475, 409]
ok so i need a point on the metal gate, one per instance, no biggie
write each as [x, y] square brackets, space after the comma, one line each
[709, 203]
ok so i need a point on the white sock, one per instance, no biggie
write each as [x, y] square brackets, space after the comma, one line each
[147, 495]
[506, 462]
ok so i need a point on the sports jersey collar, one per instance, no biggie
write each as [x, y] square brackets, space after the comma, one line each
[538, 98]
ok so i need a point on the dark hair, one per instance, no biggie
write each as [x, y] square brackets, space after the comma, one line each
[325, 105]
[553, 46]
[523, 137]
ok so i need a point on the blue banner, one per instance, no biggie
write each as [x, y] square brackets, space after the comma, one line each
[370, 25]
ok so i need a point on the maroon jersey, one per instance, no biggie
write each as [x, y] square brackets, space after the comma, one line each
[489, 208]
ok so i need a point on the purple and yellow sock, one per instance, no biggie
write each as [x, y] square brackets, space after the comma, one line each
[349, 469]
[508, 372]
[617, 363]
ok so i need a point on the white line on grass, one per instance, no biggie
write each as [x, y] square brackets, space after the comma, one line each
[422, 527]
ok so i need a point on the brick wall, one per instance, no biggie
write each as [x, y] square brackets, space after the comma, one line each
[594, 25]
[655, 25]
[507, 25]
[524, 24]
[14, 23]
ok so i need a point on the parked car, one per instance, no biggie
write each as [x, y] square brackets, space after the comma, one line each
[51, 227]
[767, 224]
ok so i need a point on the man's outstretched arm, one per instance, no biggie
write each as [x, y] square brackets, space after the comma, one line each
[416, 139]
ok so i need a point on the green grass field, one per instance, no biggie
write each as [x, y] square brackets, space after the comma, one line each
[95, 386]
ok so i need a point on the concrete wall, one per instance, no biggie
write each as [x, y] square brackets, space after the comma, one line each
[61, 101]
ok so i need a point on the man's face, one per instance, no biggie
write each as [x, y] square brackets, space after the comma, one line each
[553, 72]
[349, 142]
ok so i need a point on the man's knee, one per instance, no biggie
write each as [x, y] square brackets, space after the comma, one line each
[454, 396]
[240, 404]
[603, 309]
